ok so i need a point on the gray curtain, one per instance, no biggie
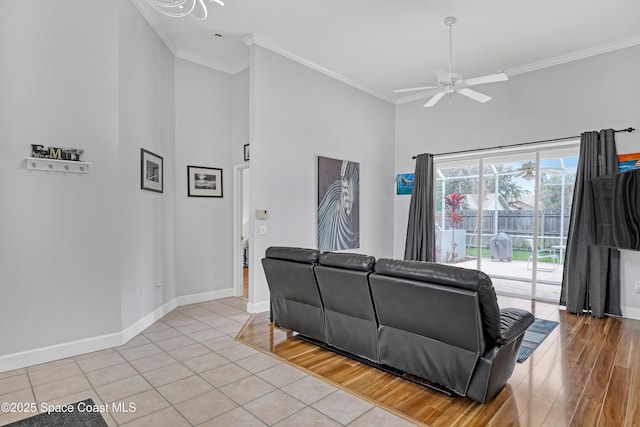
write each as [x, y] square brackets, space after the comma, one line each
[421, 230]
[591, 278]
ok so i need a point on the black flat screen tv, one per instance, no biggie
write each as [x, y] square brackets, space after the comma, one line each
[616, 204]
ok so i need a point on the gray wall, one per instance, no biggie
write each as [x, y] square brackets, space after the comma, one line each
[59, 247]
[204, 132]
[80, 255]
[296, 115]
[564, 100]
[146, 113]
[240, 115]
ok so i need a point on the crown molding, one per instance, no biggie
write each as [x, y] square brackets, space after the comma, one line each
[151, 20]
[239, 66]
[546, 63]
[182, 54]
[249, 40]
[255, 39]
[416, 97]
[574, 56]
[197, 59]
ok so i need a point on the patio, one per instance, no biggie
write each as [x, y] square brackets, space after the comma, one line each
[513, 278]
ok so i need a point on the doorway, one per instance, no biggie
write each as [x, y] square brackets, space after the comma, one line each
[242, 230]
[507, 214]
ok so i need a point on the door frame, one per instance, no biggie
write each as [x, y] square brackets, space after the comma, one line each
[482, 156]
[237, 230]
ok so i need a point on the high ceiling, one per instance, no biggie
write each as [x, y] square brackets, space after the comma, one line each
[379, 46]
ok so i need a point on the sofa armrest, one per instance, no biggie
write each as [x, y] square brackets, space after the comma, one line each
[513, 323]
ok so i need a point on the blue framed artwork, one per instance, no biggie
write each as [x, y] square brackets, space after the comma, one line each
[628, 162]
[404, 183]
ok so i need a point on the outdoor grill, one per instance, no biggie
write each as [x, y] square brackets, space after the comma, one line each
[500, 247]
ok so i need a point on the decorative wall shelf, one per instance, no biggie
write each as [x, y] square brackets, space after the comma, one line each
[53, 165]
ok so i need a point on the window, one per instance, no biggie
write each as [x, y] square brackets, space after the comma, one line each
[507, 213]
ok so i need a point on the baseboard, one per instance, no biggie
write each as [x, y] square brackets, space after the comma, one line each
[205, 296]
[630, 313]
[258, 307]
[146, 321]
[9, 362]
[627, 312]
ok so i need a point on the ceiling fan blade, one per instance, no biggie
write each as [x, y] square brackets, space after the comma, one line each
[491, 78]
[476, 96]
[435, 98]
[411, 89]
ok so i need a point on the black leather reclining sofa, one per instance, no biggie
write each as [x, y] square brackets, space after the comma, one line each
[438, 322]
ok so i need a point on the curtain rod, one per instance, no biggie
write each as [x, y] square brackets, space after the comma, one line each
[500, 147]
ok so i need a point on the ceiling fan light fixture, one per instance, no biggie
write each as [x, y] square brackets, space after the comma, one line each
[529, 176]
[182, 8]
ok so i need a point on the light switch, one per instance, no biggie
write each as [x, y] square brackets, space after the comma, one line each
[262, 230]
[261, 214]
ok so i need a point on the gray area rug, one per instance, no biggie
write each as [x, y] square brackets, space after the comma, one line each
[79, 417]
[533, 337]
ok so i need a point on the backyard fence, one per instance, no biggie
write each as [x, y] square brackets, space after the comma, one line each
[518, 225]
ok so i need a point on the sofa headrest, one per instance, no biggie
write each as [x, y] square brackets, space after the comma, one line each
[432, 272]
[448, 275]
[348, 261]
[309, 256]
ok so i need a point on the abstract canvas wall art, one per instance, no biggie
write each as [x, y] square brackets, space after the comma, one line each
[338, 204]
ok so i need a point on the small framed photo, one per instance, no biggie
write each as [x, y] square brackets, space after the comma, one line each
[404, 183]
[246, 152]
[151, 171]
[204, 182]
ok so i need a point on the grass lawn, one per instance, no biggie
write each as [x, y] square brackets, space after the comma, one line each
[518, 255]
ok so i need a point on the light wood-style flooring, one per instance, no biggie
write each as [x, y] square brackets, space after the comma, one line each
[245, 282]
[586, 373]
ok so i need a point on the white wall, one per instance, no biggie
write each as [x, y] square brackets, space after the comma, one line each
[59, 248]
[565, 100]
[204, 133]
[146, 119]
[296, 115]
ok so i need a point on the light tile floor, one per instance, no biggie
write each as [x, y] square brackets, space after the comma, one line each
[187, 369]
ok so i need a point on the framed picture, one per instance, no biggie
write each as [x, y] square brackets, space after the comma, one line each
[204, 182]
[404, 183]
[151, 172]
[246, 152]
[628, 162]
[338, 204]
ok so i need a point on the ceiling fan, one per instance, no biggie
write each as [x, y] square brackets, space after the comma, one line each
[450, 82]
[527, 171]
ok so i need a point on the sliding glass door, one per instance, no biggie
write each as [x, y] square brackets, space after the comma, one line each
[507, 214]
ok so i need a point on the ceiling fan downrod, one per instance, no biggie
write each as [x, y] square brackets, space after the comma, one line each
[449, 21]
